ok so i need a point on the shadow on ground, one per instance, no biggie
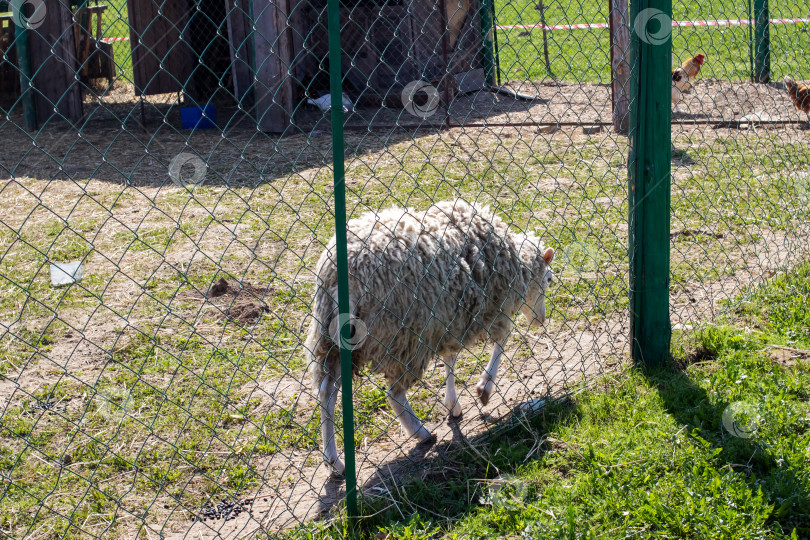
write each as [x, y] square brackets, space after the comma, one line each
[691, 406]
[443, 480]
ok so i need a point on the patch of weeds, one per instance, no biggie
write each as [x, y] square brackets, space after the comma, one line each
[291, 428]
[714, 339]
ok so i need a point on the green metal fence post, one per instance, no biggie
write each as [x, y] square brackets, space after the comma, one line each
[487, 49]
[762, 42]
[26, 73]
[336, 111]
[649, 180]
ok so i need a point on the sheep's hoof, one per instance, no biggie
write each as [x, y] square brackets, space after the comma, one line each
[453, 409]
[484, 391]
[423, 434]
[338, 468]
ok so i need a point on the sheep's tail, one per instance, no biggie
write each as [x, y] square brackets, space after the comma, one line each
[323, 341]
[316, 346]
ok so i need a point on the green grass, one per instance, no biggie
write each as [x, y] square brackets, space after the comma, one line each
[584, 55]
[116, 24]
[183, 377]
[646, 454]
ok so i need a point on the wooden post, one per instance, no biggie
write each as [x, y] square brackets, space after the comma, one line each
[273, 53]
[238, 20]
[620, 64]
[55, 82]
[649, 181]
[542, 7]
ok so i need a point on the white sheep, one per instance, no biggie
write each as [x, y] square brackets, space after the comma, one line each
[422, 284]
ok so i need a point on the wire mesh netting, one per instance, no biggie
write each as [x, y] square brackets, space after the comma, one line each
[168, 190]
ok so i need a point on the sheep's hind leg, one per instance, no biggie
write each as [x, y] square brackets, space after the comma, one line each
[327, 399]
[450, 396]
[407, 418]
[486, 384]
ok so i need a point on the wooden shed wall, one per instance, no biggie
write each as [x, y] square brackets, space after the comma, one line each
[280, 57]
[161, 54]
[387, 46]
[53, 57]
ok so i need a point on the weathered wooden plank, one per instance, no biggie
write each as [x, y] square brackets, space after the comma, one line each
[303, 62]
[238, 37]
[456, 13]
[161, 56]
[427, 29]
[53, 57]
[273, 53]
[360, 61]
[620, 64]
[466, 49]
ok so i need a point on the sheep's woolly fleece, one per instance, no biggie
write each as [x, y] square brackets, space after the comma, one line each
[425, 283]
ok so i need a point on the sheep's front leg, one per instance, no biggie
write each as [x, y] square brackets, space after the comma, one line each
[327, 399]
[450, 396]
[407, 418]
[487, 382]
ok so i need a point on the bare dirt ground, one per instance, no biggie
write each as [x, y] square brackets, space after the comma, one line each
[710, 100]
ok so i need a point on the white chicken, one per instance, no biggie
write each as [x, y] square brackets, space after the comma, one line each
[324, 102]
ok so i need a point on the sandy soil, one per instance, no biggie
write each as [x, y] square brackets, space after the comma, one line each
[710, 100]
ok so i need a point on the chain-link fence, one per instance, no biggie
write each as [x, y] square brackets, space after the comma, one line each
[173, 171]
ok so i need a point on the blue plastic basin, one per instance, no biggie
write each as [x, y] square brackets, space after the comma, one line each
[199, 117]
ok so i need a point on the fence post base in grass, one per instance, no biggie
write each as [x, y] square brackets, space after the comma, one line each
[649, 181]
[762, 42]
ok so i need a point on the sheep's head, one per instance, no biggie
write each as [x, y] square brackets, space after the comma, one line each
[534, 308]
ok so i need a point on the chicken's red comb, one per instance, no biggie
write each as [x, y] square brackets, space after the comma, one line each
[699, 58]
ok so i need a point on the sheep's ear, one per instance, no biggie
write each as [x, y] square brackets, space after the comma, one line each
[548, 255]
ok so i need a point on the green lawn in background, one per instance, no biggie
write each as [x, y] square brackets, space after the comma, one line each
[584, 55]
[116, 24]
